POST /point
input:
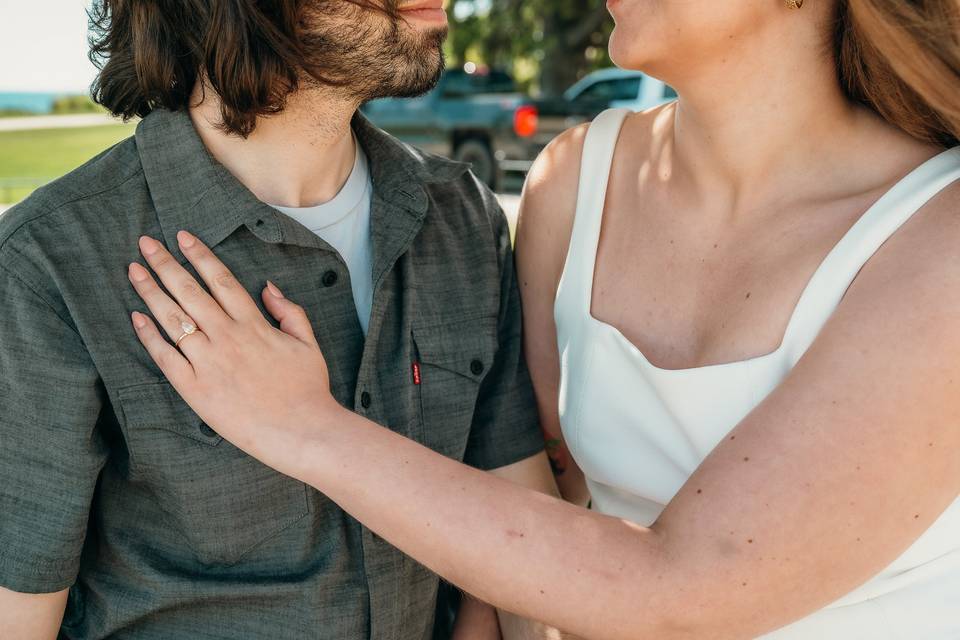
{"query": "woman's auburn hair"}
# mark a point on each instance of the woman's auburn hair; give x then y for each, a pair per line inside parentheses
(252, 53)
(901, 58)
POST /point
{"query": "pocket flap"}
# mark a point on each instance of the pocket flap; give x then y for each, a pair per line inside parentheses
(159, 406)
(465, 347)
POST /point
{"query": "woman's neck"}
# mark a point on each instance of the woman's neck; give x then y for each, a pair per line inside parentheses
(765, 118)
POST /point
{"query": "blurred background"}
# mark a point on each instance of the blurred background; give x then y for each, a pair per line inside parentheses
(519, 73)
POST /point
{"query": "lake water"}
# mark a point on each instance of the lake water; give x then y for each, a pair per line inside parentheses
(36, 102)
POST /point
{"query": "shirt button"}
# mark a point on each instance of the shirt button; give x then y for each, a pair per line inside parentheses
(330, 278)
(476, 367)
(365, 400)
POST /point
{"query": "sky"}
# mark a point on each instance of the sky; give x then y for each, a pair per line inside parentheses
(43, 46)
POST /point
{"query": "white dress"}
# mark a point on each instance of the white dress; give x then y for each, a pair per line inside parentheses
(639, 432)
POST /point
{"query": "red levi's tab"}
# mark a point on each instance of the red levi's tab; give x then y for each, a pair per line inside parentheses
(416, 373)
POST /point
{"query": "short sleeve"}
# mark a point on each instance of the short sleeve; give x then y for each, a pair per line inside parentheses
(506, 427)
(50, 452)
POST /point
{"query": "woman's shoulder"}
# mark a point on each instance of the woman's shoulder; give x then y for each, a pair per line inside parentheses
(549, 201)
(555, 175)
(918, 267)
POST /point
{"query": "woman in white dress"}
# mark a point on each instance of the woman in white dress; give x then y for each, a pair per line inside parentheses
(756, 296)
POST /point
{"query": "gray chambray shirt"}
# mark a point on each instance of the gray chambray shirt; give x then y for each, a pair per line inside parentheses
(110, 484)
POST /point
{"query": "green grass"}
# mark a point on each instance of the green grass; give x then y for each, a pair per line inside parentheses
(45, 154)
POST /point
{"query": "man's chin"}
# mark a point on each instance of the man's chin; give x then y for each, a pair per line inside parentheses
(420, 77)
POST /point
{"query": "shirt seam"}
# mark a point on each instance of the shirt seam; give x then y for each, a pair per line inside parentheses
(37, 570)
(55, 208)
(38, 295)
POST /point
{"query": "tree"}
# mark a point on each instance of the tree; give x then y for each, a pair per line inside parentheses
(551, 42)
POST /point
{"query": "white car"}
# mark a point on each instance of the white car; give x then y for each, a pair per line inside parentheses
(619, 88)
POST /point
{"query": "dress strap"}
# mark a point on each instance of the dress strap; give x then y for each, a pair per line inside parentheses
(596, 162)
(836, 273)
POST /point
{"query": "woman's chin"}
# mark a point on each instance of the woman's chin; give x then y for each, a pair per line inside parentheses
(624, 52)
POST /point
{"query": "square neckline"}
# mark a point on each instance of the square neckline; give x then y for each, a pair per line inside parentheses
(868, 213)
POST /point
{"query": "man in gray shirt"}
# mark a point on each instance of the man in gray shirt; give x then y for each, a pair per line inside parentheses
(122, 515)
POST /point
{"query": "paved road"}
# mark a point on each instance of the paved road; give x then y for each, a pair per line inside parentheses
(56, 122)
(511, 205)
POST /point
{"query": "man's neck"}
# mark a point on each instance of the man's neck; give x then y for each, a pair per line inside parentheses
(297, 158)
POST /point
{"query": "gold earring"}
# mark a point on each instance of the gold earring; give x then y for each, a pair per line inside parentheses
(794, 4)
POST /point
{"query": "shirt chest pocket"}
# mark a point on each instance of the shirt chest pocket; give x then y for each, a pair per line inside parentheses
(221, 501)
(453, 360)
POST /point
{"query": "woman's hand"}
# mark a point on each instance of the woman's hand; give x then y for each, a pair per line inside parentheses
(263, 389)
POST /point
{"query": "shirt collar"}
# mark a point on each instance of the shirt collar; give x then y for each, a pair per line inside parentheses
(191, 190)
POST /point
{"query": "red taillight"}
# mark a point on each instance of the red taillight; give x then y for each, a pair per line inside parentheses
(526, 119)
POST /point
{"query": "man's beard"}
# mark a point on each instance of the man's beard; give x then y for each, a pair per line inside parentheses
(368, 59)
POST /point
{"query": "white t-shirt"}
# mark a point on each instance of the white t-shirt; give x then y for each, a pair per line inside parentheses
(344, 224)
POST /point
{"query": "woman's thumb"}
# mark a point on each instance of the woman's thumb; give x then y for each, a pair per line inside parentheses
(291, 316)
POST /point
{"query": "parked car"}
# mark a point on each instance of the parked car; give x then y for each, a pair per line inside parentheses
(478, 116)
(616, 88)
(467, 117)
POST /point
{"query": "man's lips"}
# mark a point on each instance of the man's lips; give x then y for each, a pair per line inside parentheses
(422, 5)
(426, 10)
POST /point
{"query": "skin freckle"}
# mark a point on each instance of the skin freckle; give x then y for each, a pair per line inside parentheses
(746, 459)
(699, 490)
(750, 541)
(748, 295)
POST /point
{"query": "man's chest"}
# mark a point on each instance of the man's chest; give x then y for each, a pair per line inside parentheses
(418, 372)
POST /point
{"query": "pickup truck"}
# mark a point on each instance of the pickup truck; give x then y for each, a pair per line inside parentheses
(478, 116)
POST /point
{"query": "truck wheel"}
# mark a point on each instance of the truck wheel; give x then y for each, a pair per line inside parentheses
(478, 154)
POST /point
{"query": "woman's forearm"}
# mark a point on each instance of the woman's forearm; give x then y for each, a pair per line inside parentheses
(517, 549)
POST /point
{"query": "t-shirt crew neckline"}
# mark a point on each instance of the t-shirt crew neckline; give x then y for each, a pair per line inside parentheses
(348, 199)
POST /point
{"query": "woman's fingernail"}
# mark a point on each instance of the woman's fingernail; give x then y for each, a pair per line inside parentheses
(138, 273)
(186, 239)
(273, 290)
(148, 245)
(138, 320)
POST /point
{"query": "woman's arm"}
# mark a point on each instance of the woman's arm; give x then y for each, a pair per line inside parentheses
(31, 615)
(825, 483)
(547, 210)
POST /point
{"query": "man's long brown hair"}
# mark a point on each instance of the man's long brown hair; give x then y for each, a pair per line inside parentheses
(252, 53)
(902, 58)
